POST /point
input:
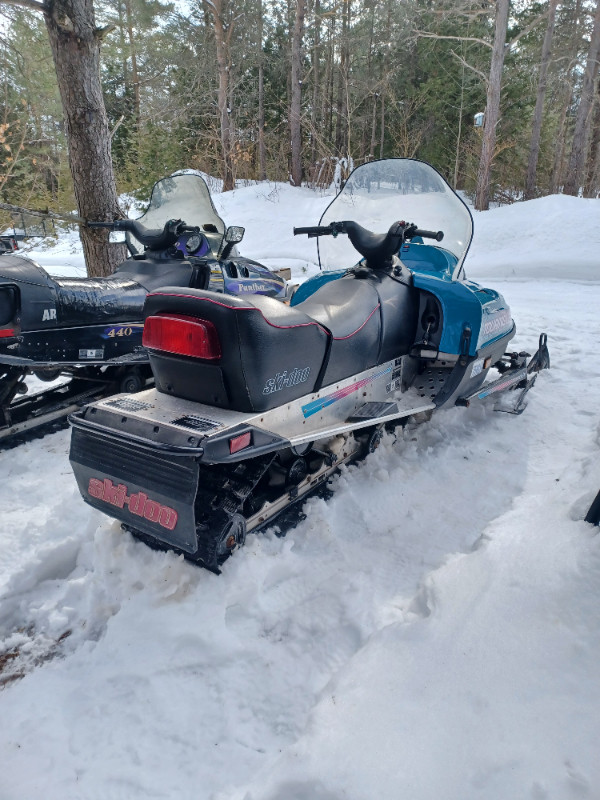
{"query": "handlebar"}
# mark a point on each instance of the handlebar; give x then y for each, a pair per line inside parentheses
(377, 248)
(437, 235)
(322, 230)
(342, 227)
(153, 239)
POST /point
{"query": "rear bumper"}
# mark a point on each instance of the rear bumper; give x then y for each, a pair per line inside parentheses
(146, 489)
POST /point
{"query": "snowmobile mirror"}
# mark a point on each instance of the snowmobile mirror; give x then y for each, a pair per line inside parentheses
(234, 234)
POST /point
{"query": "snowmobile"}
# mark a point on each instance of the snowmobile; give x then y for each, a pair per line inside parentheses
(91, 329)
(256, 403)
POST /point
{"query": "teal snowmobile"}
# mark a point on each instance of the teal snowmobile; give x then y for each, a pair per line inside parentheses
(256, 403)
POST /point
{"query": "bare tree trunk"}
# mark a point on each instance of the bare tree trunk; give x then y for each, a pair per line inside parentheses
(262, 158)
(134, 68)
(382, 125)
(342, 92)
(223, 34)
(592, 169)
(296, 95)
(373, 126)
(575, 174)
(536, 131)
(75, 43)
(492, 109)
(316, 74)
(566, 101)
(459, 133)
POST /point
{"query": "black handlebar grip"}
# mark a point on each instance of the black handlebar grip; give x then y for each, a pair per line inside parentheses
(100, 224)
(437, 235)
(316, 230)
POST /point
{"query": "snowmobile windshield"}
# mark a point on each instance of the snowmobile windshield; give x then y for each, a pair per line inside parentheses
(184, 197)
(380, 193)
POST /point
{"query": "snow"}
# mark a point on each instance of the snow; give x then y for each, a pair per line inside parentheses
(431, 631)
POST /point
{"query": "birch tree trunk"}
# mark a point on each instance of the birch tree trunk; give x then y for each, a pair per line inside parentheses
(575, 176)
(536, 130)
(492, 109)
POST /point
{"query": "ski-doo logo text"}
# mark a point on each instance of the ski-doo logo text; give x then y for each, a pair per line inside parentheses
(284, 381)
(138, 503)
(49, 313)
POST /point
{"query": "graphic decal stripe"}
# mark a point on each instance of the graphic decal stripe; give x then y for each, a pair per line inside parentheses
(318, 405)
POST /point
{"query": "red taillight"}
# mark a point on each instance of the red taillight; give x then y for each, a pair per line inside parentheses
(6, 332)
(183, 335)
(240, 442)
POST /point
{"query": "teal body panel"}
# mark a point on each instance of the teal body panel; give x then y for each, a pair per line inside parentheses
(310, 286)
(464, 303)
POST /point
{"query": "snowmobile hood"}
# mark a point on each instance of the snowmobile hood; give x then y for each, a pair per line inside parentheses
(379, 193)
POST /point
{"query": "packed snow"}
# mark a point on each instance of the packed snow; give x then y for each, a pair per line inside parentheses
(430, 632)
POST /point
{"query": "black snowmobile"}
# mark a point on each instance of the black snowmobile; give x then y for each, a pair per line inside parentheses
(91, 329)
(256, 403)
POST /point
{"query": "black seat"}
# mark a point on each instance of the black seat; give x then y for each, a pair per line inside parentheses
(270, 353)
(49, 302)
(351, 310)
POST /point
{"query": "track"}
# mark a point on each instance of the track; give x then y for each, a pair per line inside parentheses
(32, 416)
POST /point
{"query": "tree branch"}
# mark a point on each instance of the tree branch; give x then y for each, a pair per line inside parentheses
(49, 214)
(527, 29)
(466, 64)
(428, 35)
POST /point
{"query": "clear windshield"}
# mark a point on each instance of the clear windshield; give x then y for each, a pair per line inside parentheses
(183, 197)
(382, 192)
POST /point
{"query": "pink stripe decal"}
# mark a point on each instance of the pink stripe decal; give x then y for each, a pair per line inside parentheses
(341, 338)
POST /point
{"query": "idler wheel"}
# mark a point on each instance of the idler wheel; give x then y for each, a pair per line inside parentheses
(374, 440)
(131, 383)
(296, 472)
(234, 535)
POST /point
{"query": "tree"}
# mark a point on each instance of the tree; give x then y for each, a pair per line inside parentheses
(536, 130)
(75, 43)
(296, 95)
(224, 24)
(575, 174)
(492, 109)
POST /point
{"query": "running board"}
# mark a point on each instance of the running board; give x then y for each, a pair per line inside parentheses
(362, 418)
(507, 381)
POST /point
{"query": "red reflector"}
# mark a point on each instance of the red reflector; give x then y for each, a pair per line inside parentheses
(6, 333)
(183, 335)
(240, 442)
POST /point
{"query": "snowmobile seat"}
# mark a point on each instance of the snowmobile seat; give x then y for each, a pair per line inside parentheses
(270, 353)
(47, 301)
(351, 310)
(372, 319)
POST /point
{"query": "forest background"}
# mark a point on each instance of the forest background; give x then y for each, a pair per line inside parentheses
(291, 90)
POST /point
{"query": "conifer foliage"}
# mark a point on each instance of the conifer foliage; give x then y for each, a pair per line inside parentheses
(295, 90)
